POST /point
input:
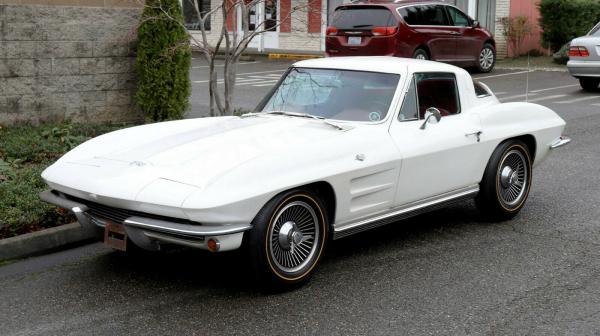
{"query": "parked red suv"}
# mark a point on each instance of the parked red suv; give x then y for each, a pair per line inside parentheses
(421, 29)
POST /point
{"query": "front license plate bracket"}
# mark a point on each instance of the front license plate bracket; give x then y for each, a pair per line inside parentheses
(115, 236)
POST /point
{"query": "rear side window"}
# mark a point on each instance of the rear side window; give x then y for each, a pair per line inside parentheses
(425, 15)
(411, 15)
(362, 18)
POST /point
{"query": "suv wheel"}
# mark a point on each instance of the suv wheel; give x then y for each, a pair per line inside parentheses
(486, 59)
(589, 84)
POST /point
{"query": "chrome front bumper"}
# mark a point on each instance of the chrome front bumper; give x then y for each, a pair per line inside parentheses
(148, 233)
(560, 141)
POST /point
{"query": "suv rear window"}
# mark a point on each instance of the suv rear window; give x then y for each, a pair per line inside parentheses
(362, 18)
(425, 15)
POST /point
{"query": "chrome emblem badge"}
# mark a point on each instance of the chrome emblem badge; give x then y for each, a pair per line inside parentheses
(137, 163)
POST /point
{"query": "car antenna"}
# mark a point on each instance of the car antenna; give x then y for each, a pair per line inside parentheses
(527, 80)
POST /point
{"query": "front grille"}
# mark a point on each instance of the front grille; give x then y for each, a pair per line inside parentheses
(100, 213)
(109, 213)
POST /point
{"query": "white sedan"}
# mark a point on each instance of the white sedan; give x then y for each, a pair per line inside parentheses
(339, 146)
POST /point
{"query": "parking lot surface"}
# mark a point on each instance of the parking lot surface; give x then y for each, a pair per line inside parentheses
(443, 273)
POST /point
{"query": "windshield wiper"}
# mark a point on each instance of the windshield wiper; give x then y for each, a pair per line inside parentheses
(362, 26)
(297, 114)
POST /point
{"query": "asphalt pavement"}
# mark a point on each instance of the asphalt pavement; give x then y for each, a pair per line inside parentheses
(443, 273)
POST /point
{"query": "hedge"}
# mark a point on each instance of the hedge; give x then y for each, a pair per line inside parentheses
(563, 20)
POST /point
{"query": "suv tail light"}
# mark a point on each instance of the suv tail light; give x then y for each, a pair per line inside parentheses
(384, 31)
(331, 31)
(579, 52)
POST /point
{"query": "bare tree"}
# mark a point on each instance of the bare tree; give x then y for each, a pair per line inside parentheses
(230, 45)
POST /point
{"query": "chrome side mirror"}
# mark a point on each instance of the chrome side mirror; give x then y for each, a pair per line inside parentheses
(432, 116)
(475, 24)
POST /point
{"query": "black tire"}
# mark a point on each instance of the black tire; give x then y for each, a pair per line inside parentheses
(486, 60)
(506, 181)
(421, 54)
(283, 261)
(589, 84)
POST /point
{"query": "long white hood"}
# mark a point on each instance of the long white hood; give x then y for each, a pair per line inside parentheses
(175, 159)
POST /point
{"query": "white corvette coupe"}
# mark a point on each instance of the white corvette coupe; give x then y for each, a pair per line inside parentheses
(339, 146)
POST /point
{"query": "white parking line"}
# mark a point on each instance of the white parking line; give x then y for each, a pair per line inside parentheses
(245, 73)
(220, 65)
(578, 99)
(517, 96)
(500, 93)
(267, 83)
(554, 88)
(506, 74)
(546, 98)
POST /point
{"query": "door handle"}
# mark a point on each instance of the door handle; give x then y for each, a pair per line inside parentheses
(477, 134)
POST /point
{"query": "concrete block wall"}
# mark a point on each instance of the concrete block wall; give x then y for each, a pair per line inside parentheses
(67, 62)
(502, 10)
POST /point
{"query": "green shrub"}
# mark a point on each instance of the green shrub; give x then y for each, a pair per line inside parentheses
(163, 61)
(21, 209)
(563, 20)
(25, 151)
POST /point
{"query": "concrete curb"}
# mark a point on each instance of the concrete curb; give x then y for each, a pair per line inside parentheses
(294, 56)
(43, 241)
(516, 68)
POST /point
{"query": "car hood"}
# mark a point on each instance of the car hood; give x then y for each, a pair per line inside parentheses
(186, 154)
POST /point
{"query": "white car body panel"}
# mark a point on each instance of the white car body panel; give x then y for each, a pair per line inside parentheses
(222, 171)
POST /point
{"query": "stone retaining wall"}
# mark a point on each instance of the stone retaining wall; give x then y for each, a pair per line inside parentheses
(60, 62)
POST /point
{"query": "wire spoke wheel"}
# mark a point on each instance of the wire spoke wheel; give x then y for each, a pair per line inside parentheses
(512, 177)
(293, 236)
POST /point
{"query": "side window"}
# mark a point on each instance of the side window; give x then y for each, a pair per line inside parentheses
(457, 17)
(411, 15)
(433, 15)
(408, 111)
(439, 90)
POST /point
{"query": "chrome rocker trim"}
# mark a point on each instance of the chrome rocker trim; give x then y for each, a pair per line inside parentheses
(145, 232)
(407, 211)
(560, 141)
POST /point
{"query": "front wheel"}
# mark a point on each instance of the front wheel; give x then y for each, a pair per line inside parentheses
(589, 84)
(487, 58)
(506, 181)
(289, 237)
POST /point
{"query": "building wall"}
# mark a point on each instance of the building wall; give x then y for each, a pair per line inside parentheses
(532, 41)
(502, 10)
(296, 38)
(67, 62)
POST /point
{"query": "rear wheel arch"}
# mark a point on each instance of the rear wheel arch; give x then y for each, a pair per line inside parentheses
(531, 143)
(424, 48)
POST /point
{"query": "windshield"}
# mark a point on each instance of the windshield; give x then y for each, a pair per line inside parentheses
(334, 94)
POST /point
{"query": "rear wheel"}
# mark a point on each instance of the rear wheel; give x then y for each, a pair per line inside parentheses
(589, 84)
(486, 59)
(506, 181)
(421, 54)
(289, 237)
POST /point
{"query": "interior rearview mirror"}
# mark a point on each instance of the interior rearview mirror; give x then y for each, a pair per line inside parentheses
(432, 116)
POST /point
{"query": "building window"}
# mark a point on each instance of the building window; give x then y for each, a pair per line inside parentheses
(192, 22)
